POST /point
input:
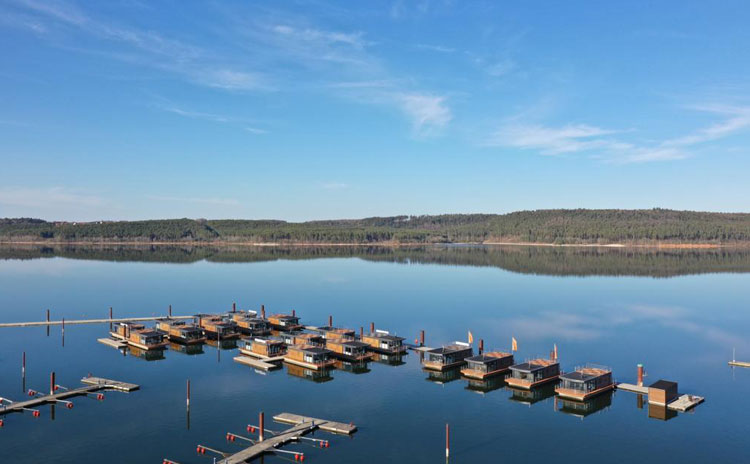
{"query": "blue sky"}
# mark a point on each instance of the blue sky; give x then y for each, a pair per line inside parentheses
(311, 109)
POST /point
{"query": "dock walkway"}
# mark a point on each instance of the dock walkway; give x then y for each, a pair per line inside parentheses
(739, 363)
(90, 321)
(93, 384)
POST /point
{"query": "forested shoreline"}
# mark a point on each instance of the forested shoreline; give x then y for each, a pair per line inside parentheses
(581, 226)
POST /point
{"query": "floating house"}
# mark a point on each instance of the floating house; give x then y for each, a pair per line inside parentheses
(308, 356)
(662, 392)
(284, 322)
(298, 338)
(262, 348)
(487, 365)
(180, 331)
(241, 314)
(216, 326)
(585, 382)
(337, 333)
(381, 341)
(254, 326)
(447, 357)
(533, 373)
(139, 336)
(348, 350)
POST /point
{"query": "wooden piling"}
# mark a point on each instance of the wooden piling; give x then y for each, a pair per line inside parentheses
(263, 311)
(188, 395)
(234, 307)
(170, 310)
(262, 425)
(640, 375)
(481, 346)
(447, 441)
(330, 321)
(421, 338)
(372, 327)
(361, 332)
(52, 383)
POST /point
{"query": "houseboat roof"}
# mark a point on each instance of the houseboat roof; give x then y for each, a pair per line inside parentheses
(310, 349)
(283, 316)
(488, 357)
(150, 333)
(582, 374)
(533, 365)
(169, 321)
(351, 343)
(385, 336)
(458, 346)
(663, 385)
(267, 341)
(132, 325)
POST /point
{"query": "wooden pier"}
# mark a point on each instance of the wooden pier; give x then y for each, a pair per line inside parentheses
(632, 388)
(119, 344)
(89, 321)
(322, 424)
(739, 364)
(93, 385)
(267, 364)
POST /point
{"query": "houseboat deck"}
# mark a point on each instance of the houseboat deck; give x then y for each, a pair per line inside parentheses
(584, 383)
(533, 373)
(383, 342)
(487, 365)
(310, 357)
(447, 357)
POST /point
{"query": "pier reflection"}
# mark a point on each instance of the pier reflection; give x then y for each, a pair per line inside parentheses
(317, 376)
(585, 408)
(532, 396)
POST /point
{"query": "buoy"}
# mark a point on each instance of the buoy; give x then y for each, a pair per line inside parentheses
(36, 413)
(302, 458)
(296, 457)
(69, 405)
(1, 423)
(198, 450)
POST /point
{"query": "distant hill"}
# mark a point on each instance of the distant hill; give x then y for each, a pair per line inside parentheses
(580, 226)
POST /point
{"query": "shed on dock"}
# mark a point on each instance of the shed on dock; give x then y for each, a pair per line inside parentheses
(585, 382)
(487, 365)
(447, 357)
(381, 341)
(662, 392)
(533, 373)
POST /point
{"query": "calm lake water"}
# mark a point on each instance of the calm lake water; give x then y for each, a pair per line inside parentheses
(679, 313)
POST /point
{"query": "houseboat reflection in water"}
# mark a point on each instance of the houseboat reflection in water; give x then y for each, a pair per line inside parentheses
(389, 359)
(656, 411)
(317, 376)
(356, 367)
(444, 376)
(586, 407)
(146, 355)
(228, 344)
(192, 349)
(486, 385)
(532, 395)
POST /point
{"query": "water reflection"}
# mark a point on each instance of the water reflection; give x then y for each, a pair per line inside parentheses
(317, 376)
(487, 385)
(146, 355)
(190, 350)
(587, 407)
(443, 377)
(533, 395)
(352, 367)
(659, 412)
(389, 359)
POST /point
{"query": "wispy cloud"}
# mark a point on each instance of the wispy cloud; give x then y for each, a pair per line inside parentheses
(427, 112)
(245, 124)
(608, 144)
(49, 197)
(435, 48)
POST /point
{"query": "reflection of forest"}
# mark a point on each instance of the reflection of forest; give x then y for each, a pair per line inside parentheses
(523, 259)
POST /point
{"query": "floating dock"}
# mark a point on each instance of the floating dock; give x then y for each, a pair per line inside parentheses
(322, 424)
(119, 344)
(632, 388)
(739, 364)
(267, 364)
(89, 321)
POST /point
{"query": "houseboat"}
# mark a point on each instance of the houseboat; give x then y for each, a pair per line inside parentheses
(336, 332)
(284, 322)
(241, 314)
(262, 348)
(215, 326)
(533, 373)
(585, 382)
(348, 350)
(487, 365)
(381, 341)
(139, 336)
(299, 338)
(253, 326)
(308, 356)
(180, 331)
(447, 357)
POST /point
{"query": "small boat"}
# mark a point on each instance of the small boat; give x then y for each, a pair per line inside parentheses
(215, 326)
(139, 336)
(299, 338)
(285, 322)
(447, 357)
(383, 342)
(180, 331)
(487, 365)
(585, 382)
(348, 350)
(533, 373)
(262, 348)
(311, 357)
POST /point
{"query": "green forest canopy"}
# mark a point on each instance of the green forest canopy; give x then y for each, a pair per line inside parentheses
(542, 226)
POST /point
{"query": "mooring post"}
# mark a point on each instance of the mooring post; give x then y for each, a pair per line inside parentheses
(640, 375)
(330, 321)
(372, 327)
(263, 311)
(170, 310)
(48, 322)
(421, 338)
(234, 307)
(188, 394)
(52, 383)
(361, 332)
(294, 313)
(481, 346)
(23, 371)
(262, 425)
(447, 441)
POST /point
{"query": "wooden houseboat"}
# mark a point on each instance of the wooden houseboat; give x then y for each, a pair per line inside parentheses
(299, 338)
(381, 341)
(139, 336)
(215, 326)
(180, 331)
(487, 365)
(447, 357)
(585, 382)
(284, 322)
(533, 373)
(241, 314)
(336, 333)
(311, 357)
(348, 350)
(262, 348)
(253, 326)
